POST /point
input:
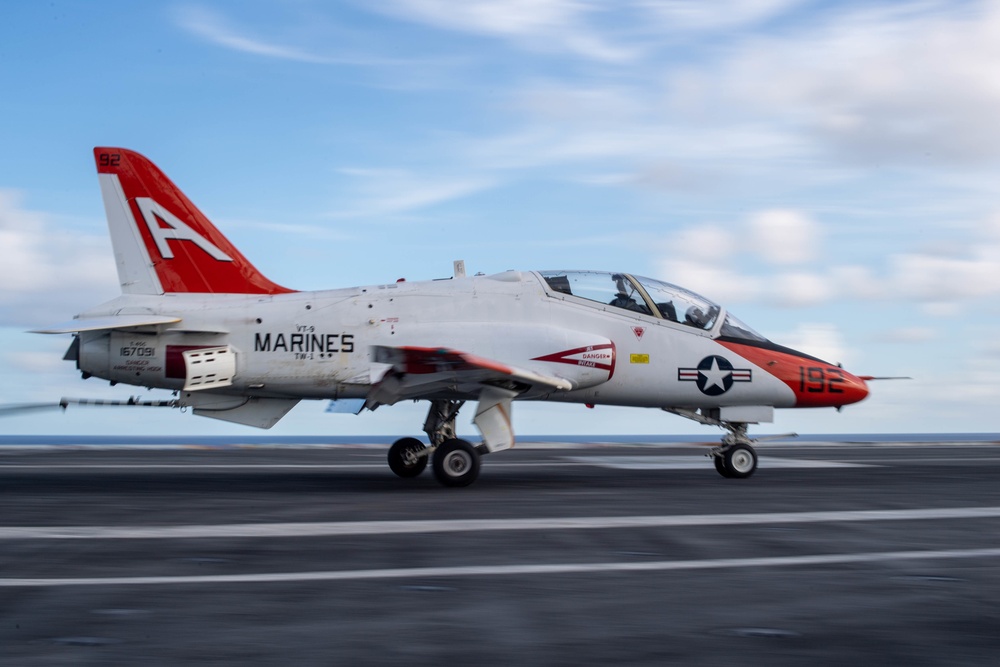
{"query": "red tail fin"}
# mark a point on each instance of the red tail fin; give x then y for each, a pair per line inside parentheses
(162, 242)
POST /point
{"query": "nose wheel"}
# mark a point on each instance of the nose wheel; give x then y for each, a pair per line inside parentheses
(736, 458)
(737, 461)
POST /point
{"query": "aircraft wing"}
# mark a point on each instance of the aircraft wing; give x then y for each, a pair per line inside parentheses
(426, 372)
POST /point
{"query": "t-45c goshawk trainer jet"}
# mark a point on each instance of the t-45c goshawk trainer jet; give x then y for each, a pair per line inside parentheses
(197, 318)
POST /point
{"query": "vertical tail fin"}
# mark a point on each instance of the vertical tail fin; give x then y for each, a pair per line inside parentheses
(162, 242)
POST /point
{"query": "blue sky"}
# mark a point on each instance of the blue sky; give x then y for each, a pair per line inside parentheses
(829, 171)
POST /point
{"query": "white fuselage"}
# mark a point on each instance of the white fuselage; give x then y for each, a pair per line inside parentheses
(318, 345)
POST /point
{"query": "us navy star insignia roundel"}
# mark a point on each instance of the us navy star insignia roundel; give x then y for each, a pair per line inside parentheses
(714, 375)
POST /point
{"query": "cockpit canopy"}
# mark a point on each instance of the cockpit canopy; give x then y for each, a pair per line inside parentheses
(647, 296)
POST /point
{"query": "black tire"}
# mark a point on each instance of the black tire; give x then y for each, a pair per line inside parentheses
(405, 459)
(740, 461)
(720, 466)
(456, 463)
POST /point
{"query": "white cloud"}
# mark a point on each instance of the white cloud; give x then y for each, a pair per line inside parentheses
(713, 280)
(908, 335)
(941, 309)
(913, 84)
(698, 258)
(47, 272)
(705, 258)
(942, 279)
(819, 340)
(800, 289)
(859, 282)
(972, 383)
(904, 82)
(784, 236)
(580, 105)
(704, 243)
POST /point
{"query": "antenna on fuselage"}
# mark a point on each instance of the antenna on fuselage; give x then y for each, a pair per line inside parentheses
(459, 268)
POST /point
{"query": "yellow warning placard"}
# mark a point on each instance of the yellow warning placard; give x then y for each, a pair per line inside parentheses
(639, 358)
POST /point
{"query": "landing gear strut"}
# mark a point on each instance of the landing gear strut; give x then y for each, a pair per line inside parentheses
(456, 461)
(735, 457)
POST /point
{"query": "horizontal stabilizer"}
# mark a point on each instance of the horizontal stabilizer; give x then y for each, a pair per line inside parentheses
(112, 322)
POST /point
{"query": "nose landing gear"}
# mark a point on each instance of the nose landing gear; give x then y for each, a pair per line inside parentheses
(735, 457)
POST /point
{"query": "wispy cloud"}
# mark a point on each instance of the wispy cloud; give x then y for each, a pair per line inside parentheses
(698, 16)
(909, 81)
(539, 25)
(941, 280)
(317, 232)
(912, 85)
(214, 28)
(217, 29)
(392, 192)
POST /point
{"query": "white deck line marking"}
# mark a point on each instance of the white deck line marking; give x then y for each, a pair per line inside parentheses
(508, 570)
(192, 466)
(700, 462)
(471, 525)
(261, 466)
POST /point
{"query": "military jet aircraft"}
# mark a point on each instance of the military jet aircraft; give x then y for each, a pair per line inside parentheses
(197, 318)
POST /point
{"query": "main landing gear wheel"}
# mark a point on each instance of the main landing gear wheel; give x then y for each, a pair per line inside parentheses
(407, 457)
(737, 461)
(456, 463)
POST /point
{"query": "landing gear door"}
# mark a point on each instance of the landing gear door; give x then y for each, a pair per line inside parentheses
(493, 418)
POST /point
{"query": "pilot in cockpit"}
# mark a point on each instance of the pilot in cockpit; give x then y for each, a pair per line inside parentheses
(624, 300)
(696, 317)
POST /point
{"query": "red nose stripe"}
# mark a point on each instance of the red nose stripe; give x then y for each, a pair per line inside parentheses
(816, 384)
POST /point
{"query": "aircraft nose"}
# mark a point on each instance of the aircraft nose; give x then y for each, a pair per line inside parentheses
(819, 384)
(815, 383)
(855, 388)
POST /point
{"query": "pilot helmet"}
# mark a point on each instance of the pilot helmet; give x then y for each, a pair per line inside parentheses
(696, 316)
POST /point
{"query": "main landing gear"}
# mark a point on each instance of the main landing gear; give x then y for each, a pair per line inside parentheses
(455, 461)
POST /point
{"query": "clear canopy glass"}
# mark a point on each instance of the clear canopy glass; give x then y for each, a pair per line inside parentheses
(680, 305)
(655, 298)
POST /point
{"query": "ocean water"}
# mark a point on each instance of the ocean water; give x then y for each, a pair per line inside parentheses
(334, 440)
